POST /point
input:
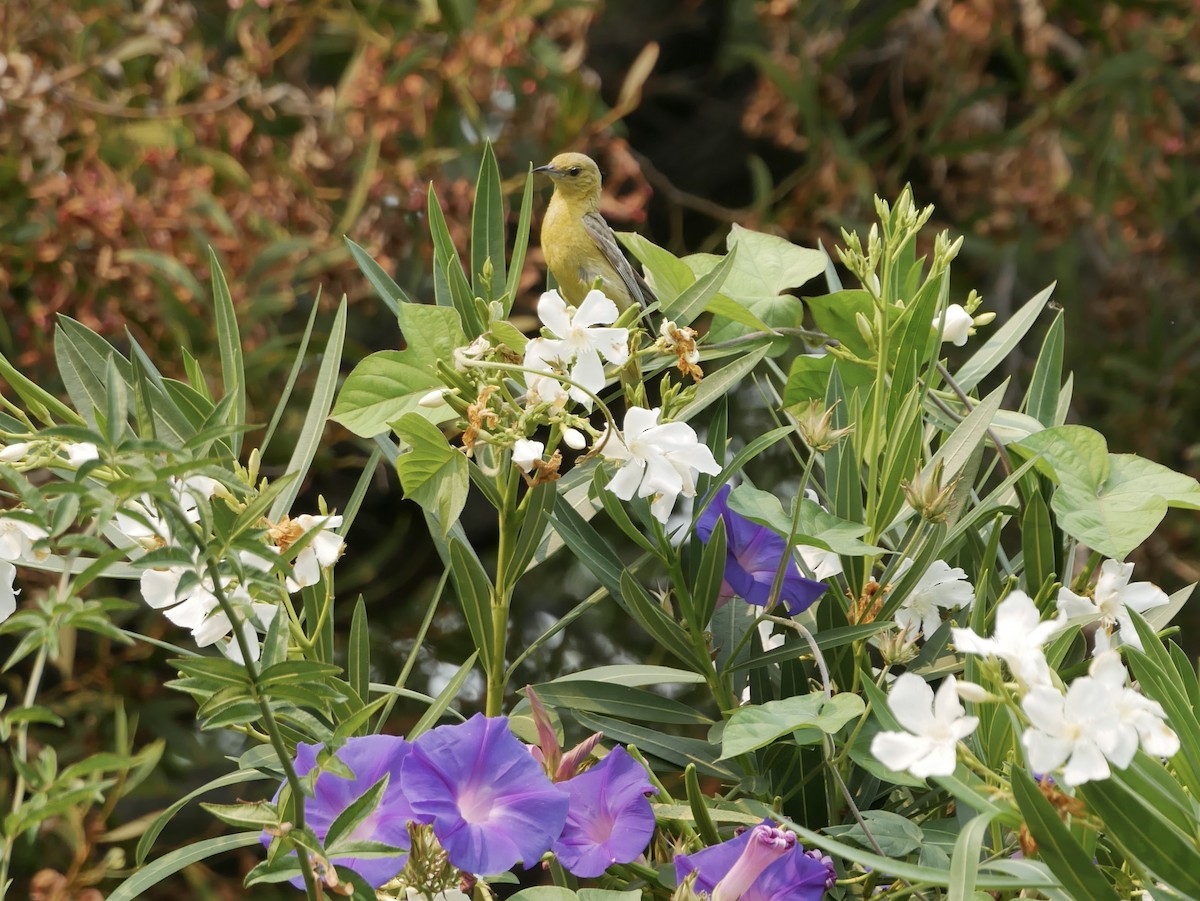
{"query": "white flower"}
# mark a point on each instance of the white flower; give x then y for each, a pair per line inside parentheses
(195, 606)
(657, 460)
(141, 523)
(939, 586)
(1113, 598)
(17, 538)
(319, 554)
(821, 563)
(473, 351)
(543, 389)
(579, 342)
(935, 726)
(574, 439)
(525, 453)
(1098, 722)
(1018, 637)
(433, 399)
(1144, 715)
(14, 453)
(958, 324)
(8, 593)
(78, 454)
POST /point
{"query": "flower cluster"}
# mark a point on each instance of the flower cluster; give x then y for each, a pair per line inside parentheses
(578, 340)
(1082, 730)
(486, 800)
(187, 592)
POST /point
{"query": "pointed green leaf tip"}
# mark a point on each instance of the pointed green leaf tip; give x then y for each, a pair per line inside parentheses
(433, 473)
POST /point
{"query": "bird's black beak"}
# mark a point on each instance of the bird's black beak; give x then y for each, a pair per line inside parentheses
(548, 169)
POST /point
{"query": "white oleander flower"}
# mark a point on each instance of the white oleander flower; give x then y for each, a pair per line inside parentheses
(525, 453)
(17, 539)
(80, 453)
(935, 724)
(958, 324)
(1096, 725)
(580, 341)
(657, 460)
(141, 522)
(940, 587)
(543, 389)
(1112, 599)
(187, 598)
(319, 554)
(821, 563)
(8, 591)
(1017, 638)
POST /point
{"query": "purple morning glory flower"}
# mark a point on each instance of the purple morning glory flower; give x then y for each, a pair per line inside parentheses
(609, 820)
(490, 803)
(751, 558)
(762, 864)
(370, 758)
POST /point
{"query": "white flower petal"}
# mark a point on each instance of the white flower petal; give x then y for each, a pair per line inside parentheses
(8, 594)
(552, 310)
(525, 453)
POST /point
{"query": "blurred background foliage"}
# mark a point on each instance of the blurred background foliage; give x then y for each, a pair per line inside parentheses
(1054, 135)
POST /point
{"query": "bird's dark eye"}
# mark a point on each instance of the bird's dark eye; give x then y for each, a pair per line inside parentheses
(574, 170)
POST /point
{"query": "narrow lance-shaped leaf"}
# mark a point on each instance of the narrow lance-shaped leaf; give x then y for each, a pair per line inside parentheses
(233, 371)
(487, 228)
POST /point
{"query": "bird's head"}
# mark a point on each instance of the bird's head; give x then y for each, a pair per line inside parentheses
(574, 174)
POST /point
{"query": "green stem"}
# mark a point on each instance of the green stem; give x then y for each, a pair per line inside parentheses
(31, 692)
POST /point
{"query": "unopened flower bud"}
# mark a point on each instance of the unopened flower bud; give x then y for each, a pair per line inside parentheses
(932, 500)
(433, 398)
(815, 424)
(574, 439)
(864, 329)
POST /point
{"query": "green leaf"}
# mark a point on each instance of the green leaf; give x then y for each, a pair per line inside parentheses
(697, 296)
(767, 265)
(715, 385)
(835, 315)
(1037, 543)
(309, 438)
(433, 473)
(487, 227)
(146, 842)
(672, 748)
(618, 700)
(1171, 855)
(1042, 400)
(635, 674)
(362, 807)
(520, 244)
(1111, 502)
(388, 291)
(897, 836)
(450, 286)
(233, 370)
(358, 654)
(1056, 845)
(998, 347)
(964, 866)
(474, 591)
(668, 275)
(169, 864)
(711, 574)
(390, 383)
(753, 727)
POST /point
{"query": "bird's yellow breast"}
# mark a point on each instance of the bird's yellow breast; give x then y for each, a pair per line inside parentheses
(573, 257)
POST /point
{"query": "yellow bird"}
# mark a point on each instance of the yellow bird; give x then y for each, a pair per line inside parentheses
(578, 244)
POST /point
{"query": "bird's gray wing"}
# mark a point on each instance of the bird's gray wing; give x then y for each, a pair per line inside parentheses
(599, 232)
